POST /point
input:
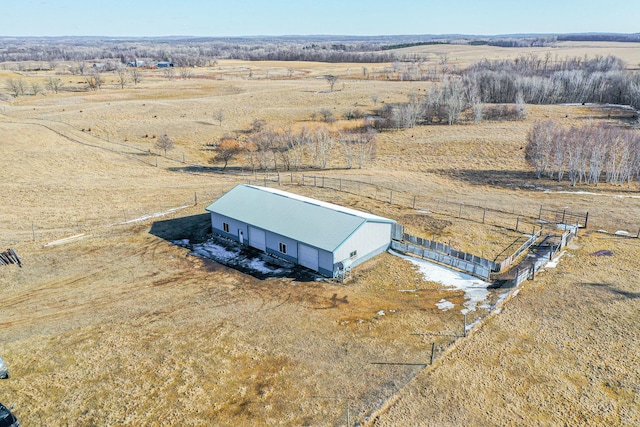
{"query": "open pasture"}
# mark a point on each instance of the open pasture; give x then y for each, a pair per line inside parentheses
(117, 326)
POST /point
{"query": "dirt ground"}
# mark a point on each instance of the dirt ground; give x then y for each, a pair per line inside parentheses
(117, 326)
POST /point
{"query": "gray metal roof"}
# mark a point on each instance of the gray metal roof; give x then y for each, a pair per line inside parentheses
(313, 222)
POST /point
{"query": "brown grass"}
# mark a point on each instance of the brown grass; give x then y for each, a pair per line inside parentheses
(119, 327)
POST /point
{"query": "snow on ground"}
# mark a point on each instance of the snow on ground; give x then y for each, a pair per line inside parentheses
(67, 239)
(236, 256)
(589, 193)
(554, 262)
(475, 290)
(213, 251)
(155, 215)
(445, 305)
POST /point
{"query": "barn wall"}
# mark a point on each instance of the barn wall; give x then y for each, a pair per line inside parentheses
(368, 240)
(273, 247)
(234, 226)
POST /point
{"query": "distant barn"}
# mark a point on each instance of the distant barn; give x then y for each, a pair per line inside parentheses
(321, 236)
(164, 64)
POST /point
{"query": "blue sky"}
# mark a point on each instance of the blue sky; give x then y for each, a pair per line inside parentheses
(305, 17)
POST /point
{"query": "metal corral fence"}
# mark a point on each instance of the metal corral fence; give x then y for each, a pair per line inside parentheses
(441, 253)
(511, 257)
(452, 260)
(547, 250)
(562, 216)
(484, 215)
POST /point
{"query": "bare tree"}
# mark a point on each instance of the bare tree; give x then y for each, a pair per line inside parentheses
(54, 84)
(122, 76)
(169, 73)
(539, 147)
(185, 73)
(165, 143)
(16, 86)
(219, 116)
(136, 75)
(324, 143)
(94, 80)
(327, 115)
(332, 79)
(375, 98)
(226, 150)
(36, 88)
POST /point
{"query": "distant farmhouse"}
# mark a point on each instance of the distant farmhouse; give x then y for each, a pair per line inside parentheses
(321, 236)
(164, 64)
(136, 63)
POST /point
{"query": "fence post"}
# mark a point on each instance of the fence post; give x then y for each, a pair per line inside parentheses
(414, 202)
(303, 180)
(460, 211)
(564, 213)
(586, 220)
(314, 181)
(484, 214)
(540, 214)
(433, 350)
(340, 184)
(195, 198)
(517, 223)
(390, 197)
(464, 320)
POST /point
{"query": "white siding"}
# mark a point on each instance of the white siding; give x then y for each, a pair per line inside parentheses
(369, 237)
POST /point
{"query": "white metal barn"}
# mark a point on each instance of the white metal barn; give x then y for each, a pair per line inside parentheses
(321, 236)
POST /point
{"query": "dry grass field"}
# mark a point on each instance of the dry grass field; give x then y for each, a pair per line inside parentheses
(117, 326)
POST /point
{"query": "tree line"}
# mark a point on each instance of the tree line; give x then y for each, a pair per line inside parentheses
(268, 148)
(584, 154)
(500, 89)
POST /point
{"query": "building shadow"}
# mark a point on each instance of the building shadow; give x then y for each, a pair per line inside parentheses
(195, 228)
(194, 233)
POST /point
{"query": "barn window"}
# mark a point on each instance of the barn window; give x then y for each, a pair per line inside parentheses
(225, 227)
(353, 254)
(283, 247)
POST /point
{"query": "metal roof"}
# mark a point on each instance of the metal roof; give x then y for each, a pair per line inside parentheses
(313, 222)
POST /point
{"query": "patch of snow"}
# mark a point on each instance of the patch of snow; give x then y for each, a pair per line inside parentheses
(554, 262)
(498, 310)
(380, 313)
(67, 239)
(213, 251)
(425, 211)
(181, 242)
(260, 266)
(591, 193)
(155, 215)
(621, 233)
(475, 290)
(567, 227)
(445, 305)
(407, 290)
(517, 291)
(473, 325)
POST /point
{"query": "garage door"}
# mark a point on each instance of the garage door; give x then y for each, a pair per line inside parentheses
(308, 257)
(257, 239)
